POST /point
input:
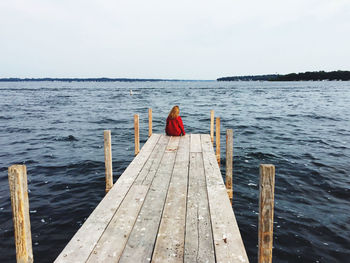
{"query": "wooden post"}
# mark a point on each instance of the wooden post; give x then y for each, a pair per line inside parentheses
(20, 212)
(217, 135)
(149, 122)
(212, 125)
(229, 162)
(266, 206)
(108, 159)
(137, 134)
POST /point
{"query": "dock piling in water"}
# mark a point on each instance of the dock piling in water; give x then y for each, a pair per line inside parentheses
(108, 159)
(266, 207)
(137, 134)
(20, 212)
(217, 135)
(229, 162)
(149, 122)
(212, 125)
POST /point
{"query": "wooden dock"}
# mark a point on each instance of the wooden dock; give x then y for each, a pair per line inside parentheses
(169, 205)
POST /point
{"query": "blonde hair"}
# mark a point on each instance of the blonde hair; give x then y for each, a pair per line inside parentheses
(174, 113)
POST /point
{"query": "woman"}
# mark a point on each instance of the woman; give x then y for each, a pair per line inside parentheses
(174, 125)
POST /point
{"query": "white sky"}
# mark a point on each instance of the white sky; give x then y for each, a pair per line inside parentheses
(198, 39)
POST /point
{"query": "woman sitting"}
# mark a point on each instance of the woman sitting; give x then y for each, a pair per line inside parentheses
(174, 125)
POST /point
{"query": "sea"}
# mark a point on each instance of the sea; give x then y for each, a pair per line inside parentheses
(303, 128)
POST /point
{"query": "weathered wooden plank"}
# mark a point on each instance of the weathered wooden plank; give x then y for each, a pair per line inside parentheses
(17, 175)
(114, 238)
(227, 239)
(212, 170)
(170, 147)
(82, 243)
(195, 143)
(198, 241)
(170, 241)
(108, 159)
(141, 241)
(111, 244)
(266, 207)
(150, 168)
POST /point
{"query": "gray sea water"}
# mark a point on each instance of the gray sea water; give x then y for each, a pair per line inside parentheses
(303, 128)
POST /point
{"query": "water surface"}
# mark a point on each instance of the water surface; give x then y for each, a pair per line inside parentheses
(56, 129)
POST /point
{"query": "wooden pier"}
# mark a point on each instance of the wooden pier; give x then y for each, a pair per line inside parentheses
(170, 205)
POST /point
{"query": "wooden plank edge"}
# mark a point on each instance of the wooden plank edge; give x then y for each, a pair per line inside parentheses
(102, 214)
(228, 242)
(127, 255)
(168, 249)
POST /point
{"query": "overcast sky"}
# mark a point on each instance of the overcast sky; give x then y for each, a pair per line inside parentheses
(196, 39)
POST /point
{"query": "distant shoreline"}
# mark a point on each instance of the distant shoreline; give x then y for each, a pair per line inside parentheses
(305, 76)
(91, 79)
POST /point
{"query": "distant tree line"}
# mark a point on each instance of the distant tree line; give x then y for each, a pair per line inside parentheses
(315, 75)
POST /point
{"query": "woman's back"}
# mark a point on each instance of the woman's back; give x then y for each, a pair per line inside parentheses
(174, 125)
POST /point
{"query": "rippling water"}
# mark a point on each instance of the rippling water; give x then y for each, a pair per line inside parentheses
(56, 129)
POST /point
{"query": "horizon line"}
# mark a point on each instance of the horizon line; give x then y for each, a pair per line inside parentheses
(14, 79)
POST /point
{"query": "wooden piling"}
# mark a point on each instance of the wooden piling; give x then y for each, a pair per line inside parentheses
(229, 162)
(212, 125)
(266, 207)
(149, 122)
(108, 159)
(217, 135)
(17, 175)
(137, 134)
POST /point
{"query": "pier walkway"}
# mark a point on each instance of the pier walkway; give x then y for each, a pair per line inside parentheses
(169, 205)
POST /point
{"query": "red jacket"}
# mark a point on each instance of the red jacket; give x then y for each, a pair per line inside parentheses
(174, 127)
